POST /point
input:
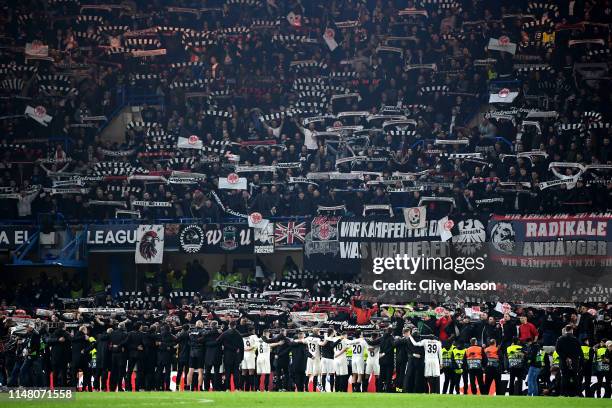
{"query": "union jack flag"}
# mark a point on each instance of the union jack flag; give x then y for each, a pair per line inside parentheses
(289, 233)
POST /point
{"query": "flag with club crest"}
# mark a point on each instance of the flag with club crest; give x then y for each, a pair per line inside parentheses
(149, 244)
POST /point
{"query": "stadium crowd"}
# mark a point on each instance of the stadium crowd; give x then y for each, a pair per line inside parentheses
(500, 107)
(155, 110)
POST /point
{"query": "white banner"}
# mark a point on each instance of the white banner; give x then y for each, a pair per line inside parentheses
(149, 244)
(102, 310)
(148, 53)
(66, 190)
(151, 204)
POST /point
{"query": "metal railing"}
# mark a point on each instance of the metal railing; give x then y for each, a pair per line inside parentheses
(124, 221)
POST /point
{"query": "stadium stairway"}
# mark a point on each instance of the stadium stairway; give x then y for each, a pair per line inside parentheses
(114, 131)
(54, 243)
(128, 110)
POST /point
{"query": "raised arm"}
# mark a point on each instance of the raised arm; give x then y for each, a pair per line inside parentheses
(417, 343)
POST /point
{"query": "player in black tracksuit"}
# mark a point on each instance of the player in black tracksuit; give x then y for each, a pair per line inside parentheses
(414, 379)
(299, 357)
(103, 360)
(135, 354)
(401, 360)
(233, 351)
(80, 358)
(183, 355)
(213, 357)
(118, 340)
(60, 348)
(386, 360)
(165, 342)
(149, 363)
(196, 356)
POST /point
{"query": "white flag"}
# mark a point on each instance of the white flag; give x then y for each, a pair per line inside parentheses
(150, 244)
(444, 227)
(36, 49)
(233, 182)
(257, 221)
(329, 38)
(191, 142)
(39, 114)
(415, 217)
(294, 19)
(503, 96)
(504, 308)
(502, 44)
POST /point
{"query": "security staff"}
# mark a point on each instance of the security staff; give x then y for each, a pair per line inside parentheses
(555, 360)
(603, 358)
(536, 361)
(492, 368)
(474, 362)
(93, 361)
(459, 370)
(447, 366)
(586, 371)
(175, 277)
(516, 366)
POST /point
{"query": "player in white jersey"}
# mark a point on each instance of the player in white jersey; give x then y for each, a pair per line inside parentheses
(248, 364)
(359, 347)
(313, 364)
(372, 364)
(263, 358)
(341, 363)
(433, 360)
